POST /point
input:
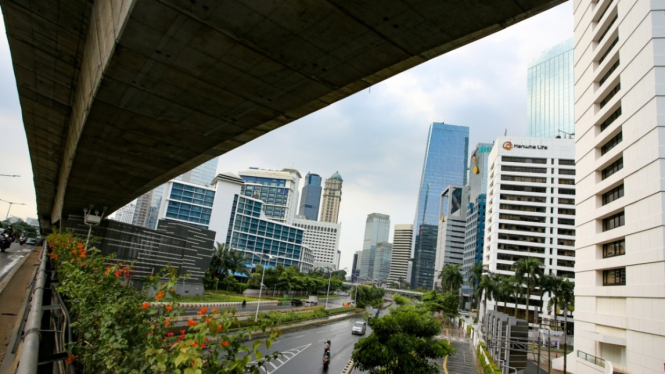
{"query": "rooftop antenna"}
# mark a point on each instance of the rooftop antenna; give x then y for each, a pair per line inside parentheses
(570, 134)
(505, 132)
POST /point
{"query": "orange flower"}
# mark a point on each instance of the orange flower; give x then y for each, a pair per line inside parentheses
(168, 308)
(83, 253)
(215, 310)
(74, 252)
(225, 343)
(172, 290)
(206, 339)
(219, 328)
(82, 264)
(70, 359)
(160, 295)
(167, 322)
(202, 311)
(80, 245)
(203, 345)
(208, 320)
(191, 322)
(107, 271)
(194, 344)
(145, 305)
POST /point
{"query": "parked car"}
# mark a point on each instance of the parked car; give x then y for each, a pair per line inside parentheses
(374, 313)
(359, 327)
(310, 303)
(313, 300)
(31, 241)
(296, 302)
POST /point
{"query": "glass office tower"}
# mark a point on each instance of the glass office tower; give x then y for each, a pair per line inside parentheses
(550, 98)
(444, 164)
(310, 198)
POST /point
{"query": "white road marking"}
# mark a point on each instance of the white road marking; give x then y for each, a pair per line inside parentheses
(7, 268)
(299, 336)
(294, 352)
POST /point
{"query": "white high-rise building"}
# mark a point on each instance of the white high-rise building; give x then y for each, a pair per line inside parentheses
(126, 213)
(452, 229)
(277, 189)
(323, 239)
(399, 262)
(620, 250)
(530, 209)
(332, 198)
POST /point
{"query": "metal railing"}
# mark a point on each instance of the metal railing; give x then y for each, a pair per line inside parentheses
(591, 358)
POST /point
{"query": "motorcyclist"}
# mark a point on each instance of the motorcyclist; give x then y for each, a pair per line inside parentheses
(326, 346)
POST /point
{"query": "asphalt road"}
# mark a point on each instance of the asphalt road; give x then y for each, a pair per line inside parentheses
(11, 258)
(302, 350)
(334, 302)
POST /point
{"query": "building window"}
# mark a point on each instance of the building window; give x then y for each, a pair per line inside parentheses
(614, 221)
(613, 194)
(524, 160)
(607, 29)
(613, 168)
(566, 191)
(614, 277)
(570, 212)
(607, 52)
(566, 162)
(610, 119)
(611, 143)
(567, 171)
(517, 178)
(522, 169)
(617, 248)
(609, 72)
(566, 181)
(610, 95)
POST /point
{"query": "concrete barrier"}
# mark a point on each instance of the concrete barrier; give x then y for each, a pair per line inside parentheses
(216, 305)
(348, 368)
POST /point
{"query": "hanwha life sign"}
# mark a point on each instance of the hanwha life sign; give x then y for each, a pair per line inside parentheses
(508, 146)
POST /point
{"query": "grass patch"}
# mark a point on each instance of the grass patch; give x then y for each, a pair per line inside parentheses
(212, 297)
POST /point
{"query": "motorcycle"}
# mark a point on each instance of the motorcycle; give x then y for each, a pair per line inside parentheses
(326, 354)
(5, 242)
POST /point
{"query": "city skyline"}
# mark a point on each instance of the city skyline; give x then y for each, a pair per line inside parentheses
(394, 115)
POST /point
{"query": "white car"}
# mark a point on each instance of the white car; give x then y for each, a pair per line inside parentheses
(359, 327)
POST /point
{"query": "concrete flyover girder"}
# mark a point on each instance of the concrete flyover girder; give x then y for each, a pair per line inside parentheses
(119, 96)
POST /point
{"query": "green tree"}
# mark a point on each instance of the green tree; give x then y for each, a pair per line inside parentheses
(451, 278)
(367, 295)
(546, 285)
(474, 275)
(486, 288)
(528, 270)
(444, 303)
(505, 288)
(564, 296)
(401, 342)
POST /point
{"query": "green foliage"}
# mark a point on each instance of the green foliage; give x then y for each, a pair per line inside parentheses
(490, 368)
(468, 330)
(368, 296)
(279, 318)
(116, 332)
(445, 303)
(451, 278)
(21, 227)
(401, 300)
(401, 342)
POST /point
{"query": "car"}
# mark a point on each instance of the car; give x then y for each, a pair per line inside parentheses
(359, 327)
(296, 302)
(310, 303)
(31, 241)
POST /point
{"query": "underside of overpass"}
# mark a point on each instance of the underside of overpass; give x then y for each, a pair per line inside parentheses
(119, 96)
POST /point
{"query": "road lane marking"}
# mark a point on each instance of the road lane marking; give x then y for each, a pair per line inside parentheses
(294, 352)
(299, 336)
(9, 266)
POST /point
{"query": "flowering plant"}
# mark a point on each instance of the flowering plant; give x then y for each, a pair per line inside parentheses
(116, 331)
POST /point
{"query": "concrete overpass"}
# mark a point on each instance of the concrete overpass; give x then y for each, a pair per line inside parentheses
(119, 96)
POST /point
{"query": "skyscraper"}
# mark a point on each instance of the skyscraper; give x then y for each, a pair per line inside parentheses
(382, 258)
(399, 262)
(148, 205)
(355, 269)
(323, 239)
(310, 198)
(126, 213)
(620, 251)
(474, 237)
(377, 230)
(452, 228)
(530, 211)
(444, 164)
(550, 98)
(278, 189)
(332, 198)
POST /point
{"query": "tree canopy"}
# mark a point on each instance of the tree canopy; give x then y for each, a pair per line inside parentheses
(401, 342)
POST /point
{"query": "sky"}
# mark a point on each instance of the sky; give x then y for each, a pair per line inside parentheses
(375, 139)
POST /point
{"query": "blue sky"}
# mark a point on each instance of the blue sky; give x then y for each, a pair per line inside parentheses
(375, 138)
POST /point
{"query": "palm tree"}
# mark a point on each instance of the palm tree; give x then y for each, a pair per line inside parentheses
(486, 288)
(546, 285)
(473, 276)
(505, 288)
(451, 278)
(528, 270)
(564, 296)
(217, 263)
(236, 262)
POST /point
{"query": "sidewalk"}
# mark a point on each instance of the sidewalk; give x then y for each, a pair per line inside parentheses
(13, 296)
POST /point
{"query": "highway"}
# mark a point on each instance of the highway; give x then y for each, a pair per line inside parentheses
(302, 349)
(11, 257)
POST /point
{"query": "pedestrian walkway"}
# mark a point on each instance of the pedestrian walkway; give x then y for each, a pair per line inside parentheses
(13, 295)
(464, 361)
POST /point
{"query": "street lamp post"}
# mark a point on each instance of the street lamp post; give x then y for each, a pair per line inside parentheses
(256, 317)
(329, 279)
(91, 218)
(10, 206)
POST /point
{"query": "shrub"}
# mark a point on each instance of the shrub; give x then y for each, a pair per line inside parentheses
(490, 368)
(116, 331)
(468, 330)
